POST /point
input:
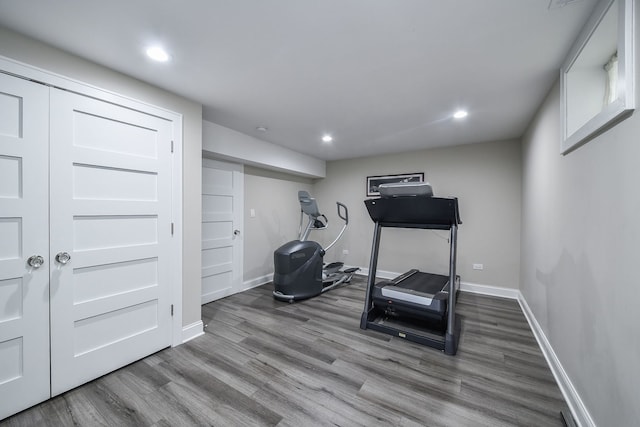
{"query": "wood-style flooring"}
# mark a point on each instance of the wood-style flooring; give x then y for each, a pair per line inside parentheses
(264, 362)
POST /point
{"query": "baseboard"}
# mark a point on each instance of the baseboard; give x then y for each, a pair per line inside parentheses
(494, 291)
(249, 284)
(192, 331)
(382, 274)
(571, 396)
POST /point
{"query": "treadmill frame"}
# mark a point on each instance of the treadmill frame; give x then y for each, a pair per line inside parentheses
(371, 316)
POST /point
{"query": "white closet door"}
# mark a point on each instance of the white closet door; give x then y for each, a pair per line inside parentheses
(24, 227)
(111, 213)
(222, 219)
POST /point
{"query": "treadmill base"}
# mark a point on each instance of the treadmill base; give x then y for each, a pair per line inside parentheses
(421, 334)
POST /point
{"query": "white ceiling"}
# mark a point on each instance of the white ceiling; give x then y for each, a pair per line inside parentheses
(379, 75)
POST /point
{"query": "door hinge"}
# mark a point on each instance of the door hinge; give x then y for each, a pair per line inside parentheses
(172, 146)
(172, 309)
(172, 229)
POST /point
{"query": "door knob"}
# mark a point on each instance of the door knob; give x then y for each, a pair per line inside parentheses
(236, 232)
(35, 261)
(63, 257)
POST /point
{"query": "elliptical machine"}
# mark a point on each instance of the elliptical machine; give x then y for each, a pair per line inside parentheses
(299, 272)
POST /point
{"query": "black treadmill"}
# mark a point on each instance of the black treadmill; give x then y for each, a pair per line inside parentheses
(416, 306)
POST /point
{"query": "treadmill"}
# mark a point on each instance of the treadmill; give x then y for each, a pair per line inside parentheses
(416, 306)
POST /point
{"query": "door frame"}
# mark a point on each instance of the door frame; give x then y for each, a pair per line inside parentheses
(22, 70)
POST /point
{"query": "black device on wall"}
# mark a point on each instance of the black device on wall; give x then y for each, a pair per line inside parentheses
(416, 306)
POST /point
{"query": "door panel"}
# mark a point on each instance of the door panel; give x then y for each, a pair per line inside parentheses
(111, 212)
(24, 290)
(222, 210)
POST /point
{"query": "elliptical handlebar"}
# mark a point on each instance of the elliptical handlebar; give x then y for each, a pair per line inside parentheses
(344, 217)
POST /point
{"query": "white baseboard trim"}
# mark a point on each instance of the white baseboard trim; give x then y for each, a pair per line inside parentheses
(494, 291)
(192, 331)
(382, 274)
(252, 283)
(578, 409)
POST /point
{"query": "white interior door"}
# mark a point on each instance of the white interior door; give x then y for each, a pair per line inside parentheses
(111, 213)
(222, 221)
(24, 228)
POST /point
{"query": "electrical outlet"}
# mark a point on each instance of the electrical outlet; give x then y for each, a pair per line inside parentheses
(252, 213)
(345, 252)
(478, 267)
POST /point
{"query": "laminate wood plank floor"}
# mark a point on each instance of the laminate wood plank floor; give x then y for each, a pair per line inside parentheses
(267, 363)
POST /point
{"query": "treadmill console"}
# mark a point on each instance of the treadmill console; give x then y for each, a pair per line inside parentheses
(422, 189)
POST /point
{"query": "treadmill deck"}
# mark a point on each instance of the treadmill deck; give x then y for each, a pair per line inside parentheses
(419, 288)
(414, 293)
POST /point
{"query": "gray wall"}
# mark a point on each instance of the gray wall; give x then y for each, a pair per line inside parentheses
(486, 177)
(580, 237)
(28, 51)
(274, 197)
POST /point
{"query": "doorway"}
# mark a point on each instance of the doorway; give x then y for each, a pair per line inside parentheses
(222, 225)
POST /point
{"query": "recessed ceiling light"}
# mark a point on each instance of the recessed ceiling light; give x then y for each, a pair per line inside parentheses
(460, 114)
(262, 128)
(327, 138)
(157, 54)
